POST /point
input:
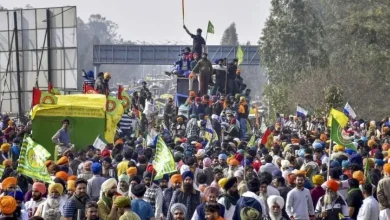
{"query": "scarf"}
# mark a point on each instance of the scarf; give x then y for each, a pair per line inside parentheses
(107, 200)
(353, 190)
(230, 200)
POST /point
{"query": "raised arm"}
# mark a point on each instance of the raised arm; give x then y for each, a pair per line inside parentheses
(188, 32)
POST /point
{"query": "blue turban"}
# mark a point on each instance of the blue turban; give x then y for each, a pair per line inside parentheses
(345, 164)
(18, 195)
(222, 157)
(379, 162)
(96, 168)
(334, 164)
(317, 145)
(187, 174)
(301, 153)
(245, 162)
(276, 173)
(165, 177)
(356, 158)
(350, 151)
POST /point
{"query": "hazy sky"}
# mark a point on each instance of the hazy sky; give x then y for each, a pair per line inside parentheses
(160, 21)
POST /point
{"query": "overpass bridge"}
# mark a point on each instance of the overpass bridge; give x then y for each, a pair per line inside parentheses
(164, 54)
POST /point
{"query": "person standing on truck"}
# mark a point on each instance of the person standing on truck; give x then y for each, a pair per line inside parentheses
(198, 40)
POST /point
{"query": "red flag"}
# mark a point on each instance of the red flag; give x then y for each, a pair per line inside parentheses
(264, 139)
(36, 96)
(120, 90)
(89, 89)
(50, 88)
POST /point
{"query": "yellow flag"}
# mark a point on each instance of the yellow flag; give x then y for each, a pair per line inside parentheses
(240, 55)
(340, 117)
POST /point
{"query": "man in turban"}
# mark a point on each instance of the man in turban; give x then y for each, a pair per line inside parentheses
(85, 171)
(317, 192)
(178, 211)
(275, 205)
(187, 195)
(249, 199)
(95, 183)
(7, 207)
(38, 190)
(9, 184)
(124, 184)
(167, 194)
(105, 203)
(332, 205)
(210, 194)
(383, 193)
(51, 208)
(123, 203)
(153, 194)
(230, 197)
(70, 187)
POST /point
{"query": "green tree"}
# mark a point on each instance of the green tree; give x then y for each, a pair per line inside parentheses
(230, 36)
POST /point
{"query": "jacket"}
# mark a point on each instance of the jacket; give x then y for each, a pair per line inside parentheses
(200, 109)
(180, 64)
(383, 193)
(167, 196)
(203, 66)
(248, 199)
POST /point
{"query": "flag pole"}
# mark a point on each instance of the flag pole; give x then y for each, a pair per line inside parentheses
(330, 153)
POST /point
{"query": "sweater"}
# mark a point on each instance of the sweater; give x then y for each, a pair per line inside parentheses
(299, 204)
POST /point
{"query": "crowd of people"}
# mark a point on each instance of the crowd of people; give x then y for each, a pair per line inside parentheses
(290, 171)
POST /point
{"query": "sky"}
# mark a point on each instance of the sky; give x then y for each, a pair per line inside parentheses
(160, 21)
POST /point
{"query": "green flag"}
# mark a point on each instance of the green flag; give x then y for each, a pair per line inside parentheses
(240, 55)
(32, 160)
(163, 162)
(210, 28)
(252, 141)
(336, 135)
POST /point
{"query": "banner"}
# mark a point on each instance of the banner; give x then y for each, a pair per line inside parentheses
(163, 162)
(68, 111)
(240, 55)
(336, 135)
(42, 97)
(122, 95)
(32, 161)
(252, 141)
(114, 112)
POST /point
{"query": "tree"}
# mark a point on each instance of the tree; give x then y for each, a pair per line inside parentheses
(340, 45)
(230, 36)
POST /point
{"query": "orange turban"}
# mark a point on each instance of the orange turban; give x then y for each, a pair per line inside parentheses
(291, 178)
(302, 172)
(5, 147)
(7, 205)
(48, 163)
(71, 185)
(63, 161)
(73, 177)
(9, 181)
(119, 141)
(323, 137)
(7, 163)
(176, 179)
(62, 175)
(371, 143)
(132, 171)
(385, 147)
(359, 175)
(386, 168)
(332, 185)
(233, 161)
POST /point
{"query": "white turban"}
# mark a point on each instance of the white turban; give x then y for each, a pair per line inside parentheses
(184, 168)
(285, 164)
(109, 184)
(275, 199)
(214, 116)
(179, 206)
